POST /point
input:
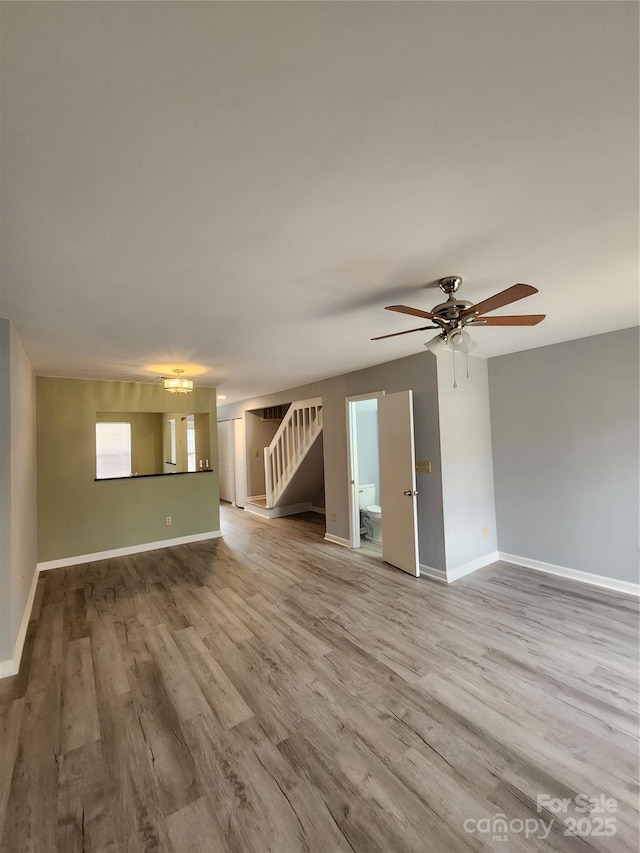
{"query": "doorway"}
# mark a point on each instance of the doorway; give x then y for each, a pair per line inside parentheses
(231, 462)
(365, 508)
(381, 425)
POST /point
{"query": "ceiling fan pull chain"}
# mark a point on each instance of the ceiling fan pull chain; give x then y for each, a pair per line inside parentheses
(466, 358)
(453, 356)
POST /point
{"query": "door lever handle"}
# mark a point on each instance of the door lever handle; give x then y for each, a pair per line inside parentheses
(409, 493)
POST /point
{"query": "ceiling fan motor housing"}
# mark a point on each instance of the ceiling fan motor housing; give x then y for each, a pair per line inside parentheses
(451, 309)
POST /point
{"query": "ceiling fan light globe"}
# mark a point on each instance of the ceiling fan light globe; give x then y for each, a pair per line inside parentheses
(437, 344)
(460, 341)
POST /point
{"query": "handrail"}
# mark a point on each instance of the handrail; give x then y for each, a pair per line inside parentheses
(290, 445)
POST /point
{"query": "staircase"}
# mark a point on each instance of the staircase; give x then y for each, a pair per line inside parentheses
(293, 462)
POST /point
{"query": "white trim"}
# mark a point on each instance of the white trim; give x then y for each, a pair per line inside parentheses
(372, 395)
(337, 540)
(435, 574)
(472, 566)
(123, 552)
(12, 666)
(352, 456)
(319, 509)
(8, 668)
(277, 511)
(572, 574)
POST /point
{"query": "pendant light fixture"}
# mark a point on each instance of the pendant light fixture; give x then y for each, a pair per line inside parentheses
(178, 384)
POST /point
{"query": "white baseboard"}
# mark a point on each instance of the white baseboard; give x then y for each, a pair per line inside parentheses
(319, 509)
(277, 511)
(124, 552)
(472, 566)
(12, 666)
(435, 574)
(337, 540)
(571, 574)
(451, 575)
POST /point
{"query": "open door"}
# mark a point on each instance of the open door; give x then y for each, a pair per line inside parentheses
(398, 482)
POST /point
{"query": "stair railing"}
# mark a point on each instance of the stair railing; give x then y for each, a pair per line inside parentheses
(290, 445)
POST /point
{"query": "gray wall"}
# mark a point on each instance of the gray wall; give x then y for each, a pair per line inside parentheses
(417, 372)
(467, 464)
(17, 486)
(565, 447)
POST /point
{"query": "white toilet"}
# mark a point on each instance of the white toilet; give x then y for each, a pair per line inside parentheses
(370, 512)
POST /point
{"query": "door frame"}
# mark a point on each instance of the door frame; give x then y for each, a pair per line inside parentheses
(239, 462)
(229, 461)
(354, 509)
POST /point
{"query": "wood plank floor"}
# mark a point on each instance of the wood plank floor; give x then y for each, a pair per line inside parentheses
(273, 692)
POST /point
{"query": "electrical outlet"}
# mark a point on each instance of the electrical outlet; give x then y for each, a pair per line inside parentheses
(256, 453)
(485, 531)
(332, 516)
(167, 520)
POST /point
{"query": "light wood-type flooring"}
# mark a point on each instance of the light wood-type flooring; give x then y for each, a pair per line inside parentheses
(270, 691)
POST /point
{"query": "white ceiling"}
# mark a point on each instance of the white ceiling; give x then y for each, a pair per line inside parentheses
(242, 187)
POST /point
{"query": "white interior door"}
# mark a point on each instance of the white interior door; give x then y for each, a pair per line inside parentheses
(398, 482)
(225, 461)
(240, 462)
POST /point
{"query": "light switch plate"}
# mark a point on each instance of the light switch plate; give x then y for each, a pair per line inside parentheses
(423, 467)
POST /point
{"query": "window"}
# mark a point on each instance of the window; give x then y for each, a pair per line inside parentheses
(113, 450)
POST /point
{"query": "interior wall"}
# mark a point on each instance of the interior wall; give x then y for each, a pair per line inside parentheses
(181, 442)
(226, 460)
(76, 514)
(203, 441)
(565, 447)
(367, 442)
(17, 489)
(417, 372)
(6, 579)
(467, 462)
(318, 500)
(258, 436)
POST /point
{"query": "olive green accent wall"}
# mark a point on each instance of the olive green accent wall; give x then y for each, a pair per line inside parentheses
(76, 514)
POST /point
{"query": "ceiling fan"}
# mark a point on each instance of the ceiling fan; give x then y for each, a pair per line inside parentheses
(451, 317)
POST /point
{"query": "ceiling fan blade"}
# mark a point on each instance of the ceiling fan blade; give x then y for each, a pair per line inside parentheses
(518, 320)
(499, 300)
(416, 312)
(408, 332)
